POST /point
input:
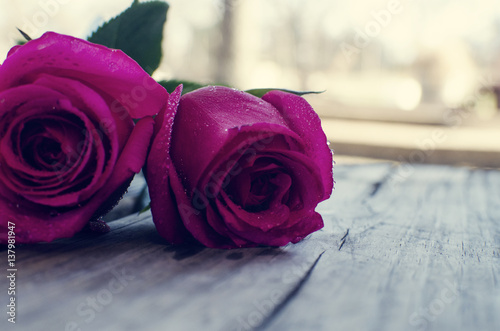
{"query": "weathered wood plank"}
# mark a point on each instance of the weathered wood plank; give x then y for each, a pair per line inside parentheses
(403, 248)
(183, 288)
(426, 258)
(130, 279)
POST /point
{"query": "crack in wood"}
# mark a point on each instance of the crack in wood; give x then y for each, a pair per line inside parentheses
(345, 235)
(341, 244)
(343, 239)
(378, 185)
(427, 258)
(293, 293)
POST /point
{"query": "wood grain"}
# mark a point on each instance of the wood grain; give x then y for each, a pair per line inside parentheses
(422, 253)
(404, 248)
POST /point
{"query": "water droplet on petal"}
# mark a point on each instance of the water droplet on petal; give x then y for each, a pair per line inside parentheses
(113, 67)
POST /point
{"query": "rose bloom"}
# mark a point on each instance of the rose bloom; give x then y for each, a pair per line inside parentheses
(236, 170)
(68, 143)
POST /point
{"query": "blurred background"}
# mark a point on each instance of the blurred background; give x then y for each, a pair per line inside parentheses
(404, 80)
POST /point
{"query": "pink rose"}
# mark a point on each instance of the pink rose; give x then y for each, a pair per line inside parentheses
(68, 143)
(236, 170)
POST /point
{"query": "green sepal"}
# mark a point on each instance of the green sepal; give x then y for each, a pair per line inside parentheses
(188, 86)
(259, 92)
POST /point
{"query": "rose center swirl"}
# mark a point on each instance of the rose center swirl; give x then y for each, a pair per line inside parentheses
(258, 185)
(52, 144)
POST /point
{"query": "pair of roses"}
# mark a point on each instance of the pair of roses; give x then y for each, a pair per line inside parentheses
(223, 167)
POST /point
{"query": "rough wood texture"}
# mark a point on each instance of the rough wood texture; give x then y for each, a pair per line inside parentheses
(404, 248)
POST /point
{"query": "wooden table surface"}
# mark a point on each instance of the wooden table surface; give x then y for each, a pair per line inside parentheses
(406, 247)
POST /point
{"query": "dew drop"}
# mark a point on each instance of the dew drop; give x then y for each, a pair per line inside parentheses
(53, 213)
(113, 67)
(76, 46)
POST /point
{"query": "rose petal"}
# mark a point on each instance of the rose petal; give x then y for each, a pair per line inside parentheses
(194, 218)
(116, 129)
(35, 224)
(103, 69)
(171, 208)
(134, 154)
(38, 109)
(243, 143)
(301, 118)
(306, 181)
(264, 220)
(208, 114)
(275, 236)
(95, 108)
(241, 188)
(216, 222)
(158, 167)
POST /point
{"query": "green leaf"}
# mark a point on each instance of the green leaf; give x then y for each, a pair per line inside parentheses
(138, 31)
(188, 86)
(259, 92)
(24, 34)
(145, 209)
